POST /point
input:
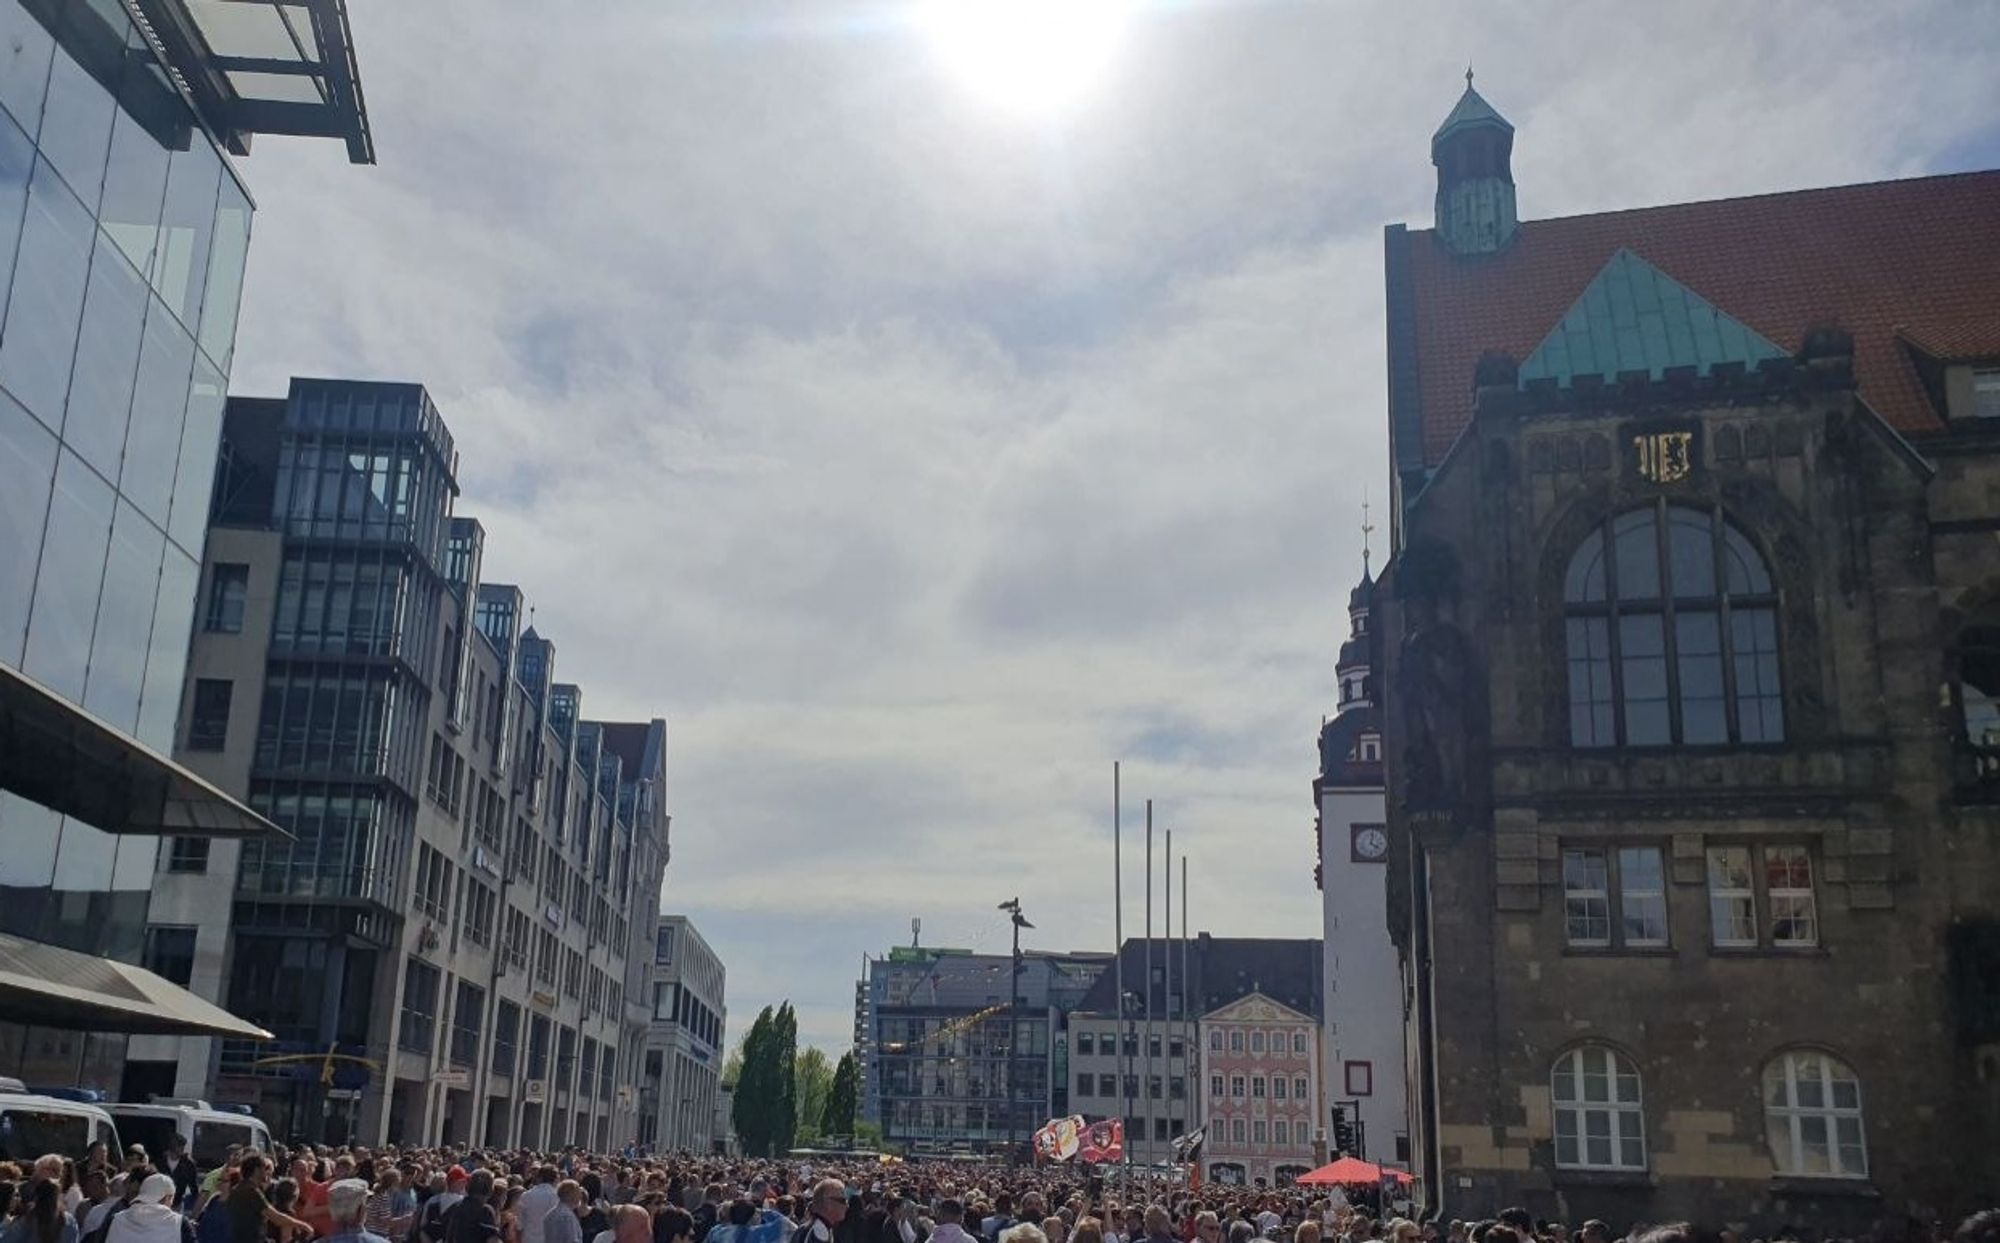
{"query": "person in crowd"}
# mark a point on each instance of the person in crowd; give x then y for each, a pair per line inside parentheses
(177, 1165)
(1000, 1221)
(565, 1224)
(537, 1202)
(1089, 1230)
(472, 1219)
(825, 1211)
(41, 1218)
(284, 1196)
(251, 1213)
(672, 1224)
(347, 1208)
(629, 1224)
(151, 1217)
(510, 1214)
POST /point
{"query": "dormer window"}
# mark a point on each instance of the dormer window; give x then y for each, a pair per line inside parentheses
(1986, 393)
(1371, 748)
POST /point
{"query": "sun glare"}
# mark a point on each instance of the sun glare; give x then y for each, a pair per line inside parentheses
(1030, 56)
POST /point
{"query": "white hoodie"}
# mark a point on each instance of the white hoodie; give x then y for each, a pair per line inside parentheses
(145, 1223)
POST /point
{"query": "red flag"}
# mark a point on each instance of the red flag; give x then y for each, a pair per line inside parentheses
(1103, 1141)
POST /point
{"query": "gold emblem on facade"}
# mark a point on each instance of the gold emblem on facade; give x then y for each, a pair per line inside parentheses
(1665, 457)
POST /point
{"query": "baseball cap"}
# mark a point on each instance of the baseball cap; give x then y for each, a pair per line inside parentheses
(156, 1188)
(456, 1174)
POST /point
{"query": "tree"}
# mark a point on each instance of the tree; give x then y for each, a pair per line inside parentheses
(815, 1079)
(732, 1066)
(842, 1097)
(755, 1107)
(784, 1064)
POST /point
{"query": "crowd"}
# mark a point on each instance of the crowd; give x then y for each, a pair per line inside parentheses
(436, 1196)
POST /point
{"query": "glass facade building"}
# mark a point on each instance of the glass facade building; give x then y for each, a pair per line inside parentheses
(124, 231)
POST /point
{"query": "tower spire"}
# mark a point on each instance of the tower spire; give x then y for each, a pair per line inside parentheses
(1473, 152)
(1367, 529)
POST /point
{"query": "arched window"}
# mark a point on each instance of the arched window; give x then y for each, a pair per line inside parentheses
(1671, 626)
(1812, 1116)
(1599, 1122)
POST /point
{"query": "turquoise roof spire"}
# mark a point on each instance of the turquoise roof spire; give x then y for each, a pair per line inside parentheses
(1634, 317)
(1471, 111)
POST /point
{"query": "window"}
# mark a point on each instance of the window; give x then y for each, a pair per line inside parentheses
(1176, 1047)
(1086, 1043)
(1107, 1086)
(1278, 1085)
(663, 950)
(1256, 1042)
(1215, 1085)
(208, 718)
(1986, 393)
(1154, 1088)
(1599, 1124)
(1236, 1041)
(227, 585)
(1238, 1131)
(1237, 1086)
(170, 953)
(1257, 1087)
(477, 917)
(1152, 1046)
(1299, 1088)
(1257, 1131)
(1177, 1088)
(1160, 1131)
(466, 1017)
(1812, 1117)
(1281, 1132)
(506, 1029)
(1736, 874)
(1360, 1078)
(187, 854)
(1215, 1040)
(432, 897)
(419, 1014)
(1671, 630)
(1628, 882)
(1083, 1085)
(1298, 1044)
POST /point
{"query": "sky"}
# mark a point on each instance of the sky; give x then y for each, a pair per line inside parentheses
(917, 451)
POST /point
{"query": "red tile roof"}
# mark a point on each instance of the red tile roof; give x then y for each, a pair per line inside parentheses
(1916, 259)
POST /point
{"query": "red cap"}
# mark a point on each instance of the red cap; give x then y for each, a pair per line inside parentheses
(456, 1174)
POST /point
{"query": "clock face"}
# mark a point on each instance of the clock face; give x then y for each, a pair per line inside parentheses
(1371, 843)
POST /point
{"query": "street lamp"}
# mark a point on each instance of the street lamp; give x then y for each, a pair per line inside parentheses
(1013, 908)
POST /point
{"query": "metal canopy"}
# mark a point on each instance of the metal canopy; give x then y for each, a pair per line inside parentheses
(56, 754)
(266, 67)
(49, 986)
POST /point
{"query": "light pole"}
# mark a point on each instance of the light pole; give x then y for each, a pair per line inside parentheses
(1013, 908)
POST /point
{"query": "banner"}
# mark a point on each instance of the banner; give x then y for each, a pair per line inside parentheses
(1188, 1147)
(1059, 1138)
(1103, 1141)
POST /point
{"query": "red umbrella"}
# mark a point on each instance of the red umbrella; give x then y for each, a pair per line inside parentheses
(1345, 1170)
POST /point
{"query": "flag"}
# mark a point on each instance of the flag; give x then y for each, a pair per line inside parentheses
(1103, 1141)
(1188, 1147)
(1059, 1138)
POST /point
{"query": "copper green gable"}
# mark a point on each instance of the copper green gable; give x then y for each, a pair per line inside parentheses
(1634, 317)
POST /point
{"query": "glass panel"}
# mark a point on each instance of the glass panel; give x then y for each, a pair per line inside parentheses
(1584, 583)
(1698, 651)
(1691, 554)
(226, 259)
(1846, 1094)
(135, 182)
(1643, 662)
(166, 657)
(124, 620)
(159, 402)
(76, 127)
(1746, 575)
(28, 463)
(1591, 722)
(25, 50)
(1635, 538)
(1813, 1144)
(17, 163)
(47, 297)
(71, 572)
(201, 436)
(1760, 708)
(1778, 1134)
(1596, 1086)
(1564, 1083)
(107, 357)
(186, 224)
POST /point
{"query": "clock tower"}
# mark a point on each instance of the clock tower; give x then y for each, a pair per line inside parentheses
(1363, 1040)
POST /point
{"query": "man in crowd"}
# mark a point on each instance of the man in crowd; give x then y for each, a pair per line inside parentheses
(346, 1204)
(537, 1202)
(824, 1212)
(250, 1209)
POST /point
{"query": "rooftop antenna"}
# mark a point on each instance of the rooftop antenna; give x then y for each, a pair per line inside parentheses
(916, 931)
(1367, 529)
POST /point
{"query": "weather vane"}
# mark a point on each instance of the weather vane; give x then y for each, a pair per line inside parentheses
(1468, 75)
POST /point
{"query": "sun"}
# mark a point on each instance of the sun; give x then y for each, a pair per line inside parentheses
(1026, 56)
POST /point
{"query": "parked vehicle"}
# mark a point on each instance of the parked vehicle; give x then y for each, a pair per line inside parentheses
(211, 1133)
(32, 1124)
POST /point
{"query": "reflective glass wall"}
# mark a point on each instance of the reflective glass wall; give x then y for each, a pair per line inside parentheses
(123, 234)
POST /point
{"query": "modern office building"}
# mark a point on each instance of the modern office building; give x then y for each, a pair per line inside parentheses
(680, 1083)
(441, 944)
(1155, 1080)
(1691, 638)
(124, 228)
(938, 1071)
(1363, 1037)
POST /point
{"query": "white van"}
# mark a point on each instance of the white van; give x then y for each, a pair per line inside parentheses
(211, 1133)
(32, 1125)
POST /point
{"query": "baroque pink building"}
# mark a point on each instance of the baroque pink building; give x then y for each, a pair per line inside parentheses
(1262, 1092)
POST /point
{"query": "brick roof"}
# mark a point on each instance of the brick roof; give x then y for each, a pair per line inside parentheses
(1914, 261)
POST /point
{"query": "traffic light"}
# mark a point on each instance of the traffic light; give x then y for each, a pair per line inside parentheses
(1343, 1131)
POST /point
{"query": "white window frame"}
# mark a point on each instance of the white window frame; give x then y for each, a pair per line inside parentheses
(1766, 904)
(1298, 1044)
(1281, 1131)
(1256, 1087)
(1259, 1132)
(1786, 1119)
(1215, 1086)
(1622, 1099)
(1299, 1088)
(1732, 907)
(1257, 1042)
(1798, 900)
(1360, 1077)
(1986, 392)
(1574, 892)
(1627, 894)
(1279, 1086)
(1238, 1087)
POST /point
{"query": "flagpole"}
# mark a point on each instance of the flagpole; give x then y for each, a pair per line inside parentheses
(1146, 1088)
(1168, 986)
(1188, 1031)
(1118, 942)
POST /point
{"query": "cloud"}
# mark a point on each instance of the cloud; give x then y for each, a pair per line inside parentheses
(915, 462)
